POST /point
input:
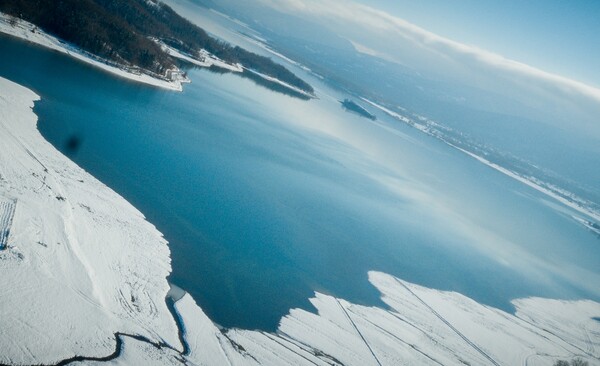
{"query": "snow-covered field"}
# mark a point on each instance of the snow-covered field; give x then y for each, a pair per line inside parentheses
(422, 327)
(83, 278)
(81, 263)
(27, 31)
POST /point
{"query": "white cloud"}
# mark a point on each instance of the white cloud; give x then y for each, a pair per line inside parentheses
(385, 26)
(361, 48)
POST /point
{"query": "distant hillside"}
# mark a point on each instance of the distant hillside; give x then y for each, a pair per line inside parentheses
(119, 30)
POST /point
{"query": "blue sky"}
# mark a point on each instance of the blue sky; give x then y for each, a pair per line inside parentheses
(561, 37)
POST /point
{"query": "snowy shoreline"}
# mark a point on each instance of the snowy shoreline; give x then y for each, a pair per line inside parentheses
(529, 181)
(204, 59)
(30, 33)
(85, 275)
(207, 60)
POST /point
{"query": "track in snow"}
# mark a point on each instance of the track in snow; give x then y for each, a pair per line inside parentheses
(469, 342)
(358, 331)
(7, 211)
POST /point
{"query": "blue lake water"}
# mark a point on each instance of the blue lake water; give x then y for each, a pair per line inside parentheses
(265, 198)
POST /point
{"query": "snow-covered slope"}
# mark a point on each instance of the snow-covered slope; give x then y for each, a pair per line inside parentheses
(81, 263)
(421, 327)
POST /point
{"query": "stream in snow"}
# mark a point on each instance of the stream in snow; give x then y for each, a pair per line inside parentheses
(265, 198)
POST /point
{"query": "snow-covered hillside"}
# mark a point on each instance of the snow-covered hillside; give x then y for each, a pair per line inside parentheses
(81, 263)
(83, 281)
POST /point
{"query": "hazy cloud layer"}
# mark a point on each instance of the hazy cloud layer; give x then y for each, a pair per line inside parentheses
(425, 51)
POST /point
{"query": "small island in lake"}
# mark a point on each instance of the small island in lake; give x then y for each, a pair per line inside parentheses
(352, 106)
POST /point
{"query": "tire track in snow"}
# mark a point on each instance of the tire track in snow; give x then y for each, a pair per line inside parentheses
(308, 348)
(277, 339)
(469, 342)
(358, 331)
(390, 334)
(7, 212)
(534, 324)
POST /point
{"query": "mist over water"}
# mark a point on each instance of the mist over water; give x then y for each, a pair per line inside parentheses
(265, 198)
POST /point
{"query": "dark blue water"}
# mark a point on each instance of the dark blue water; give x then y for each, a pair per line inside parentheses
(265, 198)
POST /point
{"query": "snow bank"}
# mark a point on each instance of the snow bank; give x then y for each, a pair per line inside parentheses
(421, 327)
(81, 263)
(29, 32)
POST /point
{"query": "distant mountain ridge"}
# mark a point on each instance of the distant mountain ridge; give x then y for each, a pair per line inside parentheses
(121, 31)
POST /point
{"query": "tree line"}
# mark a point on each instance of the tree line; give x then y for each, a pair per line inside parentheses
(119, 30)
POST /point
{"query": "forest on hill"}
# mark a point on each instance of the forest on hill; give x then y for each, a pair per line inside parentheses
(120, 31)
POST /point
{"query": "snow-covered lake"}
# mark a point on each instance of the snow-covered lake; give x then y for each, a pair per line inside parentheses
(265, 198)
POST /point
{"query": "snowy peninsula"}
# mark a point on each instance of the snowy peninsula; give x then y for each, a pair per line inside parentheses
(141, 40)
(28, 32)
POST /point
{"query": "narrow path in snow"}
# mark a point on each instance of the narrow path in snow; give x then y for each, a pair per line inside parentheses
(412, 346)
(358, 331)
(308, 348)
(469, 342)
(278, 341)
(7, 212)
(588, 343)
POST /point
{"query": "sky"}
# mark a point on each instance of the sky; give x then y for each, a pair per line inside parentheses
(557, 36)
